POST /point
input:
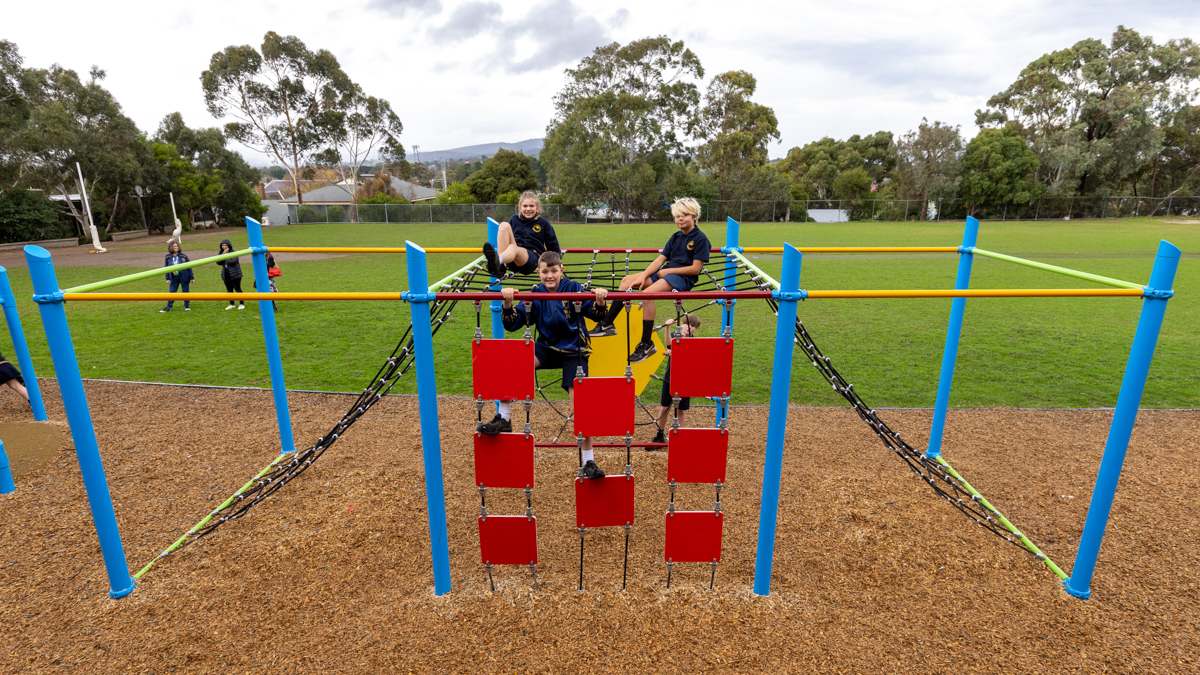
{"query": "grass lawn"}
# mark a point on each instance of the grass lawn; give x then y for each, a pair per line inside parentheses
(1067, 352)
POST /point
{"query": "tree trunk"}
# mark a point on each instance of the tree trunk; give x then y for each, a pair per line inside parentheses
(112, 219)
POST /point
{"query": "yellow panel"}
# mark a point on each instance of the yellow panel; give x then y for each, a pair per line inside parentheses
(609, 354)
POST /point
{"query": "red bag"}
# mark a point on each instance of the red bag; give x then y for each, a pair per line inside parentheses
(274, 272)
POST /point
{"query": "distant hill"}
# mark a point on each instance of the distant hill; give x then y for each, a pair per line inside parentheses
(530, 147)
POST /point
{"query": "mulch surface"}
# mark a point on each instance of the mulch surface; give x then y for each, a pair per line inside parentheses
(872, 572)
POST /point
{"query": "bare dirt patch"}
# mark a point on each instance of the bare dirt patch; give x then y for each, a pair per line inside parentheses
(872, 572)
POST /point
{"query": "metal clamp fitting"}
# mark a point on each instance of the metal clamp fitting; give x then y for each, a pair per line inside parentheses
(1148, 292)
(48, 298)
(966, 249)
(409, 296)
(258, 249)
(789, 295)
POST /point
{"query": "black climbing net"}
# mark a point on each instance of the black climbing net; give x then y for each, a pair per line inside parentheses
(594, 273)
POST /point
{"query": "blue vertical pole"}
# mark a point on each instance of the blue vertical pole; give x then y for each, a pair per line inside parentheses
(266, 311)
(431, 441)
(20, 347)
(497, 307)
(732, 237)
(1154, 306)
(781, 384)
(958, 307)
(6, 478)
(79, 418)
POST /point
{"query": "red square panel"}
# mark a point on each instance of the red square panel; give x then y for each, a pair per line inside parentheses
(604, 502)
(504, 461)
(508, 540)
(503, 369)
(694, 536)
(604, 406)
(696, 455)
(701, 366)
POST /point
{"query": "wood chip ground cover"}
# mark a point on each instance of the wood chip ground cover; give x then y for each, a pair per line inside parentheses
(872, 572)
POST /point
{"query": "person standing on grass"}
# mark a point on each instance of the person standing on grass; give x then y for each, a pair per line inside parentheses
(184, 278)
(12, 377)
(522, 240)
(272, 272)
(677, 268)
(691, 323)
(231, 274)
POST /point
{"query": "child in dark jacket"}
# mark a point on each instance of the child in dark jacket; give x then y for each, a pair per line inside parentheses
(184, 278)
(522, 240)
(562, 340)
(231, 274)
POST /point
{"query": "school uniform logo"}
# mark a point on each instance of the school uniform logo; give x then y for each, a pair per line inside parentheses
(691, 245)
(537, 228)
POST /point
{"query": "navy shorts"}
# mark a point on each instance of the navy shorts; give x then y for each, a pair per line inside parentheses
(664, 400)
(8, 372)
(530, 267)
(551, 358)
(678, 281)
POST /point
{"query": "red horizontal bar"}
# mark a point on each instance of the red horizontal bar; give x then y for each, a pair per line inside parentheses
(601, 445)
(611, 250)
(613, 295)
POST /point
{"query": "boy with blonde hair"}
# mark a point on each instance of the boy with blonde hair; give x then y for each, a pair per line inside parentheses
(677, 268)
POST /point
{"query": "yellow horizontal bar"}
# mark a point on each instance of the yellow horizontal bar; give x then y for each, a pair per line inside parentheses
(984, 293)
(351, 249)
(194, 297)
(854, 249)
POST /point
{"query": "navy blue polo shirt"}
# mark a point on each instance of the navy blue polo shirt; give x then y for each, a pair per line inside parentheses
(683, 249)
(536, 235)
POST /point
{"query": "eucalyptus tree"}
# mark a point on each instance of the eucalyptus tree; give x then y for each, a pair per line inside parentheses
(623, 113)
(286, 100)
(1094, 112)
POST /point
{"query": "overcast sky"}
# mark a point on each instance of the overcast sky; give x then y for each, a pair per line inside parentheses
(461, 72)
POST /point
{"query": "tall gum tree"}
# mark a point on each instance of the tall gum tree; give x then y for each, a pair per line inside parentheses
(624, 111)
(286, 101)
(1094, 113)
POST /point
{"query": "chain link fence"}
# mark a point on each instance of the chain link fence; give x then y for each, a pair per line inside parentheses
(752, 211)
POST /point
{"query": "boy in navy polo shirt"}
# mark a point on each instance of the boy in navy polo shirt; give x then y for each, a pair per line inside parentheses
(562, 340)
(677, 268)
(522, 240)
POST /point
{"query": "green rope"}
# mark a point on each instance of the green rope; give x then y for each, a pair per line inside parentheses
(162, 270)
(1059, 270)
(1003, 521)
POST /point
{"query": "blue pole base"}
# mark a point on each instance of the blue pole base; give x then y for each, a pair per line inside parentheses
(7, 486)
(1083, 594)
(124, 591)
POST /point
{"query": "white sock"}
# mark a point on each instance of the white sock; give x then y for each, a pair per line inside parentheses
(588, 456)
(506, 410)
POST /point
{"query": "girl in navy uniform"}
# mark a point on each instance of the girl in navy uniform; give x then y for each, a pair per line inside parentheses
(231, 274)
(185, 278)
(522, 240)
(677, 268)
(562, 340)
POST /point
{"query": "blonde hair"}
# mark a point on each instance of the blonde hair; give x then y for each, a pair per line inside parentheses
(528, 194)
(686, 206)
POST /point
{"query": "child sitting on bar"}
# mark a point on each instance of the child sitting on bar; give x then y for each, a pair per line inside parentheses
(691, 324)
(562, 340)
(522, 240)
(677, 268)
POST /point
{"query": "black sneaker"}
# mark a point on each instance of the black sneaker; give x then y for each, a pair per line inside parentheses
(603, 330)
(658, 438)
(590, 470)
(494, 266)
(498, 425)
(164, 310)
(643, 351)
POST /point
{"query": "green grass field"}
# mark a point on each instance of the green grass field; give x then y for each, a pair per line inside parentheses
(1067, 352)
